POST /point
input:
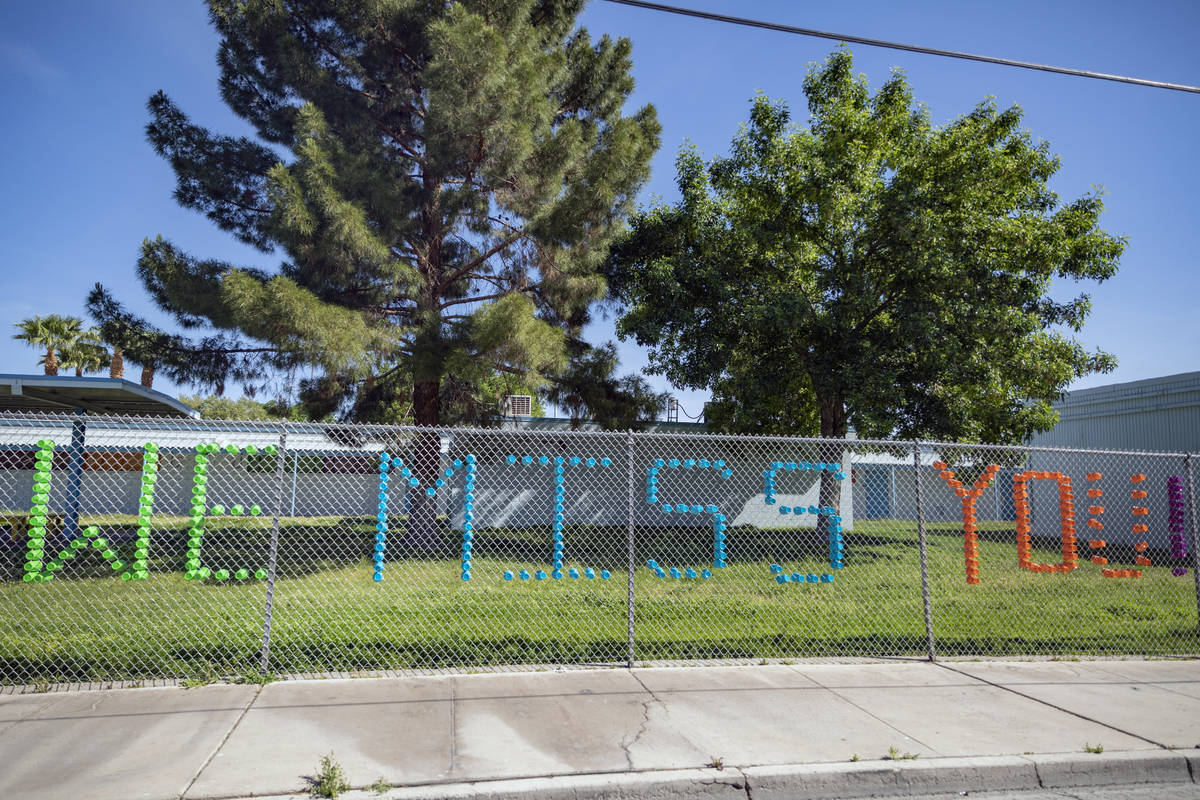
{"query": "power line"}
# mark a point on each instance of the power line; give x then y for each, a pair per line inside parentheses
(912, 48)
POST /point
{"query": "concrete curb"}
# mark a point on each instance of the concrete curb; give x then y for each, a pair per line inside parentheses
(1137, 766)
(894, 778)
(822, 781)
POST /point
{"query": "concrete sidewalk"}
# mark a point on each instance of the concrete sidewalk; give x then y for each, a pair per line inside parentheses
(808, 730)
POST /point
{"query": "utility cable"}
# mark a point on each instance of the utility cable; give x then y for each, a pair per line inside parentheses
(912, 48)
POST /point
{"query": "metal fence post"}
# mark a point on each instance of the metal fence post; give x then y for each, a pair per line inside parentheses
(75, 460)
(269, 607)
(921, 545)
(629, 551)
(1194, 539)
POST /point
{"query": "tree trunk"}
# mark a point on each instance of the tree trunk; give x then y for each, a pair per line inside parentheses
(51, 362)
(79, 372)
(148, 376)
(426, 456)
(116, 368)
(833, 426)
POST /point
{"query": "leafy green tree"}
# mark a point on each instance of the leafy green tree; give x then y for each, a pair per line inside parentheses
(590, 389)
(870, 269)
(53, 333)
(243, 408)
(441, 178)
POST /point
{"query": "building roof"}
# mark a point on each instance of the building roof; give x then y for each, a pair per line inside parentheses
(59, 393)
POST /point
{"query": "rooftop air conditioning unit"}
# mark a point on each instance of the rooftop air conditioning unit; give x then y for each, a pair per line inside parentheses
(518, 405)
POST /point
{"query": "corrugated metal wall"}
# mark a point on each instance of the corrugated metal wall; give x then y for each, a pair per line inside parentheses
(1155, 414)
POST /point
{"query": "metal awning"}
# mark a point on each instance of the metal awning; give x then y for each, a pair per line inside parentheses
(59, 393)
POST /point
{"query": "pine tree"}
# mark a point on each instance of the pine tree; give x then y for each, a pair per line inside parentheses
(454, 173)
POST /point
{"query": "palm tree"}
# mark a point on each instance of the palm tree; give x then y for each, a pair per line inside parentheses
(52, 332)
(87, 354)
(116, 367)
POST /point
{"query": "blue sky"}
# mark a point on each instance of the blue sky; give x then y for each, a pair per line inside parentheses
(82, 188)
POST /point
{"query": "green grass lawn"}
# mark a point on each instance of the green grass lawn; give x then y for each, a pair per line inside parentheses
(330, 616)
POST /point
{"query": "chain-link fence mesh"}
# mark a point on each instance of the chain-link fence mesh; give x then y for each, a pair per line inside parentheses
(138, 549)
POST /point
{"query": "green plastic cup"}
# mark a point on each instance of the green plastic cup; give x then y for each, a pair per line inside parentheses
(118, 565)
(126, 576)
(221, 574)
(236, 510)
(260, 574)
(232, 449)
(251, 450)
(205, 572)
(242, 574)
(218, 510)
(255, 510)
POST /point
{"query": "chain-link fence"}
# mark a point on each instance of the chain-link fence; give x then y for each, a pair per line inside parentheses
(143, 549)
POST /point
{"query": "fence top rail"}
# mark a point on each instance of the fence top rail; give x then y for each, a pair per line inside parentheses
(10, 419)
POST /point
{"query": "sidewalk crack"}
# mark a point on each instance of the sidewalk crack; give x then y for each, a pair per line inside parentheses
(220, 745)
(627, 744)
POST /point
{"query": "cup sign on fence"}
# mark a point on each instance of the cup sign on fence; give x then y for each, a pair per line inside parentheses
(466, 548)
(662, 491)
(1022, 487)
